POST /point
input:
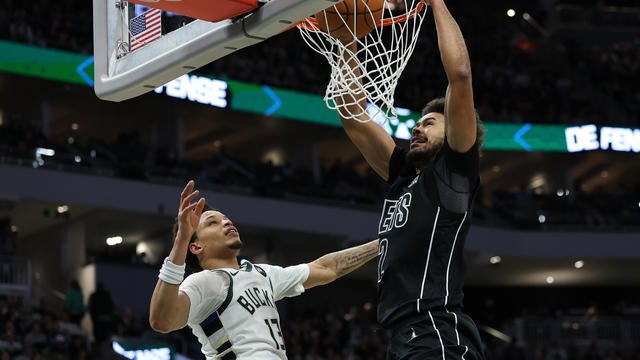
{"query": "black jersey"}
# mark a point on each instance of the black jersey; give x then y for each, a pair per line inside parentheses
(424, 222)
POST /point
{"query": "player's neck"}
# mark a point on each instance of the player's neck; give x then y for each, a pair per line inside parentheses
(422, 163)
(220, 263)
(421, 166)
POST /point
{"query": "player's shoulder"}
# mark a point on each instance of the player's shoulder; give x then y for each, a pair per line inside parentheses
(446, 149)
(448, 159)
(271, 271)
(266, 269)
(205, 275)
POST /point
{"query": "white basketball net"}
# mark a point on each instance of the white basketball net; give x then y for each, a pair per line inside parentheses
(381, 57)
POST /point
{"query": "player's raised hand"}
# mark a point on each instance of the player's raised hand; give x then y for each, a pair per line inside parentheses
(189, 212)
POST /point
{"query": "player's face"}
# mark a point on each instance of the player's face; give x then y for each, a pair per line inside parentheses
(218, 232)
(426, 138)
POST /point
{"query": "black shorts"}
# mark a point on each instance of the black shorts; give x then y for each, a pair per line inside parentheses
(435, 335)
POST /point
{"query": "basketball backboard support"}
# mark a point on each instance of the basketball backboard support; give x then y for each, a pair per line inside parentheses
(120, 74)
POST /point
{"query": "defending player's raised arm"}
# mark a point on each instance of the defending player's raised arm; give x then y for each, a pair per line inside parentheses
(337, 264)
(460, 125)
(370, 138)
(169, 307)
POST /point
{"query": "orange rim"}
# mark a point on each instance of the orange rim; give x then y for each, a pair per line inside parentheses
(310, 23)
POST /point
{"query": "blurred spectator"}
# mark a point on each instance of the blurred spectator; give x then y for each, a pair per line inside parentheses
(74, 302)
(10, 343)
(35, 339)
(102, 311)
(319, 333)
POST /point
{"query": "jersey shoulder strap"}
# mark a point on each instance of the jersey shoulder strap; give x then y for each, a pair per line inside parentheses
(229, 296)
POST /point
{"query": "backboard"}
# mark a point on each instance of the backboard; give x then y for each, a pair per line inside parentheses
(121, 73)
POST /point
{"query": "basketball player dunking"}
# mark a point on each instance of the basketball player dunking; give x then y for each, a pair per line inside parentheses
(427, 212)
(230, 307)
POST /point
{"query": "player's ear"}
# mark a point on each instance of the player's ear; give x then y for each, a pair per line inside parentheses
(194, 248)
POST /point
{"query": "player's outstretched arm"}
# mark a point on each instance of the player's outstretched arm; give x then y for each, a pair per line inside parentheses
(337, 264)
(169, 308)
(370, 138)
(460, 125)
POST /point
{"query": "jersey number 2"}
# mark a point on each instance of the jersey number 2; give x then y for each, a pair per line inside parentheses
(274, 328)
(382, 255)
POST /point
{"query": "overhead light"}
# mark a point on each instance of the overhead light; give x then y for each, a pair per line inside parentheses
(550, 279)
(44, 152)
(495, 259)
(539, 180)
(77, 158)
(276, 156)
(114, 240)
(142, 247)
(62, 209)
(40, 152)
(579, 264)
(511, 13)
(496, 168)
(70, 140)
(14, 228)
(74, 126)
(542, 219)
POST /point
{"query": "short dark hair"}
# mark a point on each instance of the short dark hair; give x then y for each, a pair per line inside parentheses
(437, 105)
(192, 260)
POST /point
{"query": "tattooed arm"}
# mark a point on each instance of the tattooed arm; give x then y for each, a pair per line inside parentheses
(336, 264)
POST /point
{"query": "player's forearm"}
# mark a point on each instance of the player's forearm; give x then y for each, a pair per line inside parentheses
(351, 104)
(352, 99)
(453, 50)
(345, 261)
(178, 253)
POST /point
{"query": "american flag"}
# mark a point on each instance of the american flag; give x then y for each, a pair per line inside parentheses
(145, 28)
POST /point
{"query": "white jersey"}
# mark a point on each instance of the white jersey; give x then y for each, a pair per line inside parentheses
(233, 312)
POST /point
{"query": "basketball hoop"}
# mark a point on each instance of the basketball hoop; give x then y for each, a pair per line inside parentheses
(380, 56)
